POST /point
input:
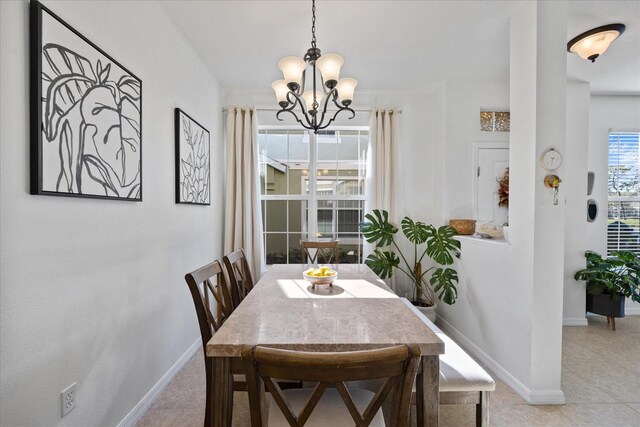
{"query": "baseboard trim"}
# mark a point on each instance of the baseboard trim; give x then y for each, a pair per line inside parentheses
(632, 311)
(546, 397)
(575, 321)
(138, 411)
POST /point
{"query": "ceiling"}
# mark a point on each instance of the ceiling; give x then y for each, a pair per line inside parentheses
(393, 46)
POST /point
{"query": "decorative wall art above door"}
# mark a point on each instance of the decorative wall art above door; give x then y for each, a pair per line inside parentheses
(192, 161)
(86, 116)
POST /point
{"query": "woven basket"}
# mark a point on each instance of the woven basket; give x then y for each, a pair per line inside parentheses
(465, 227)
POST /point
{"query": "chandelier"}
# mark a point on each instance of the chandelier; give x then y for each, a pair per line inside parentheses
(313, 103)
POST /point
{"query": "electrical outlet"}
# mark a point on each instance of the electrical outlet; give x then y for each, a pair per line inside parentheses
(68, 398)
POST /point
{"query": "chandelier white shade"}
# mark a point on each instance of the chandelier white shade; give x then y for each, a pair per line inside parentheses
(329, 65)
(281, 90)
(314, 101)
(309, 99)
(292, 68)
(346, 87)
(593, 43)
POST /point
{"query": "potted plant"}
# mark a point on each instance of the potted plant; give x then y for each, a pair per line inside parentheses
(439, 246)
(609, 281)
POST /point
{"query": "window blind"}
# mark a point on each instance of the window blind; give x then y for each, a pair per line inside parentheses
(623, 227)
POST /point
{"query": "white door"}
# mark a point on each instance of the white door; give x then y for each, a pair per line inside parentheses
(491, 165)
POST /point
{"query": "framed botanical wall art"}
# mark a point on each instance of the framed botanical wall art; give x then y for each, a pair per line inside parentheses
(86, 115)
(193, 161)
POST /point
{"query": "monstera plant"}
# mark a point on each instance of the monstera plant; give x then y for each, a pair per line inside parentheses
(429, 243)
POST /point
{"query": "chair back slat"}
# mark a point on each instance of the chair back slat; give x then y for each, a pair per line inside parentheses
(239, 275)
(396, 365)
(321, 252)
(306, 412)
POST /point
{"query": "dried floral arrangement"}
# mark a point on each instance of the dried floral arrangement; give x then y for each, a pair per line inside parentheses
(503, 191)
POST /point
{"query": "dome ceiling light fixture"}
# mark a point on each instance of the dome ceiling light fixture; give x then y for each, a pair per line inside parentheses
(591, 44)
(313, 103)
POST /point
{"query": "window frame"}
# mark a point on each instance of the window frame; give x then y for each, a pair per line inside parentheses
(310, 200)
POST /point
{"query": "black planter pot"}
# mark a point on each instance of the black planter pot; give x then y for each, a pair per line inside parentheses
(603, 305)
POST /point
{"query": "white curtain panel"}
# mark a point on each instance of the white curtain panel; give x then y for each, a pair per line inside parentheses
(243, 217)
(381, 165)
(381, 159)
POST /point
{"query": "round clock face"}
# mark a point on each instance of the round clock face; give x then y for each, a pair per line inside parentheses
(551, 159)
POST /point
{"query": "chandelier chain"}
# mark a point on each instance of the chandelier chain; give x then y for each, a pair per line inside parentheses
(313, 24)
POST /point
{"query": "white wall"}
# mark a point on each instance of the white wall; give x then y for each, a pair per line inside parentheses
(550, 118)
(575, 184)
(92, 291)
(607, 112)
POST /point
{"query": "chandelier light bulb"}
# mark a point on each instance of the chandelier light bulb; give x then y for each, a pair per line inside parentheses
(346, 87)
(329, 65)
(292, 68)
(593, 43)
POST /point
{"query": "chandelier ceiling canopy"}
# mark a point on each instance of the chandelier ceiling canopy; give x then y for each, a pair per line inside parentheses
(313, 102)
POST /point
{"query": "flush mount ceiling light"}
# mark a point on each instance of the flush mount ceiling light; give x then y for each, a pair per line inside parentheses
(313, 103)
(591, 44)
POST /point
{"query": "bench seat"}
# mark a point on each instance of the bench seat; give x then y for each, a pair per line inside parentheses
(462, 380)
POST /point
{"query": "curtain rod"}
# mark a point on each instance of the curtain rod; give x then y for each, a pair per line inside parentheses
(357, 110)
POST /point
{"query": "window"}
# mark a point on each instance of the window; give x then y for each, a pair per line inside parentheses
(312, 186)
(623, 227)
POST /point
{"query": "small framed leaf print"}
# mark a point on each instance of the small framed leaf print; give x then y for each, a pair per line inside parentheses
(193, 161)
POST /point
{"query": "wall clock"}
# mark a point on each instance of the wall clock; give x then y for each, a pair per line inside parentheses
(551, 159)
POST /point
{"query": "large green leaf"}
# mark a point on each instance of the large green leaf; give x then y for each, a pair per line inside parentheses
(416, 232)
(382, 263)
(378, 229)
(443, 281)
(441, 246)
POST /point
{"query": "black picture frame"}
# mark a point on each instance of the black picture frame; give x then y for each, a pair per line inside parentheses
(85, 115)
(193, 166)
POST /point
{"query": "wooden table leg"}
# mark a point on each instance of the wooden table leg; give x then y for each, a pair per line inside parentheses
(428, 392)
(222, 395)
(419, 399)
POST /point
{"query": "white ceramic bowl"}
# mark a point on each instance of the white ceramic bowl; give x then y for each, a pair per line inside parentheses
(320, 280)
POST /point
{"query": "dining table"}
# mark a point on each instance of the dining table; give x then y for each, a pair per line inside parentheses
(358, 312)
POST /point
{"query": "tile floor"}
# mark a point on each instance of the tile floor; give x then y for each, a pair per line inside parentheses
(600, 379)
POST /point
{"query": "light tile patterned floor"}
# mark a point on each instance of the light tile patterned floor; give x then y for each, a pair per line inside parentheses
(600, 378)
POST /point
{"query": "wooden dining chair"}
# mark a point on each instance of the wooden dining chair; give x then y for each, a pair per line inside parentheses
(327, 251)
(212, 299)
(330, 402)
(239, 275)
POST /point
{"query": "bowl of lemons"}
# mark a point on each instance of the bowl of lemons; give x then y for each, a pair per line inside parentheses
(320, 276)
